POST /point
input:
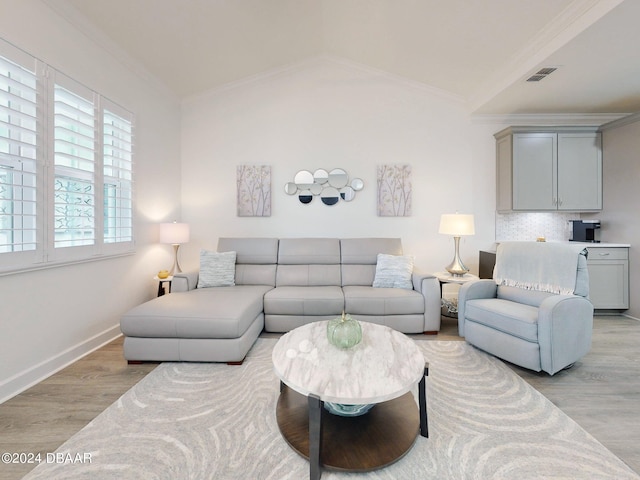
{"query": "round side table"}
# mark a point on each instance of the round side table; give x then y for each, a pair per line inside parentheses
(446, 277)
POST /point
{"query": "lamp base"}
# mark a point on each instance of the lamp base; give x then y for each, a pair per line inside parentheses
(457, 270)
(456, 267)
(176, 264)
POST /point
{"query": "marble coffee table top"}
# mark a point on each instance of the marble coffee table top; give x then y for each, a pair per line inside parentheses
(384, 365)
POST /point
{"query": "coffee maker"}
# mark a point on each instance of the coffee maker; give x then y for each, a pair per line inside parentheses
(585, 231)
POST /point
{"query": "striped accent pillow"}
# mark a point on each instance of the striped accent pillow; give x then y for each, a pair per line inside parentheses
(394, 271)
(217, 269)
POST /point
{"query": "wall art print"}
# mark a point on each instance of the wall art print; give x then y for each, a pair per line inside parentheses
(394, 190)
(254, 190)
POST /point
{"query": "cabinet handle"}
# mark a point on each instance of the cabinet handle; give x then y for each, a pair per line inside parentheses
(559, 202)
(603, 254)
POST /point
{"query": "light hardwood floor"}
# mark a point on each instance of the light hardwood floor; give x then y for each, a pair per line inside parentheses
(601, 393)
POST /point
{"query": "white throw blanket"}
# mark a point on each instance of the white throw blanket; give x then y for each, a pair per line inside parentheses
(544, 266)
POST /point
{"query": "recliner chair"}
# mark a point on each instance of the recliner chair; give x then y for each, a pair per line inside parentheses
(535, 313)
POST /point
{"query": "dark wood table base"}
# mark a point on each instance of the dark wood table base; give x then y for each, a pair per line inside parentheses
(368, 442)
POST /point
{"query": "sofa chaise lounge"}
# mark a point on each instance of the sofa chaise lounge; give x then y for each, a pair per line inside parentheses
(279, 284)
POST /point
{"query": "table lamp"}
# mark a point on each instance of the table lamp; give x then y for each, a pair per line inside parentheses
(457, 225)
(175, 234)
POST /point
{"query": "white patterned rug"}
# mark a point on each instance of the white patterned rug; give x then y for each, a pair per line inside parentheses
(213, 421)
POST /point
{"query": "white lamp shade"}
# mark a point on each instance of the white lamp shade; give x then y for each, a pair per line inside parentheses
(174, 233)
(457, 224)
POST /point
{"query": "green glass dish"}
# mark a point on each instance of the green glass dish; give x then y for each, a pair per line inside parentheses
(344, 332)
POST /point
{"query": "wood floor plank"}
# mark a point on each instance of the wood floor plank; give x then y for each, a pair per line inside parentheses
(601, 393)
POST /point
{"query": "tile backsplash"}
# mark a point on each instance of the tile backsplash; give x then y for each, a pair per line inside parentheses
(529, 226)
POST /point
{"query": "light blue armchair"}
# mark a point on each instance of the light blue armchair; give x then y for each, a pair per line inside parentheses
(535, 312)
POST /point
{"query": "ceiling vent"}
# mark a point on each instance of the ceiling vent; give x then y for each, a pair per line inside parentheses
(540, 74)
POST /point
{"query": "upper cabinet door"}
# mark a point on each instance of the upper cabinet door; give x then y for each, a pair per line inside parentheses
(579, 171)
(535, 160)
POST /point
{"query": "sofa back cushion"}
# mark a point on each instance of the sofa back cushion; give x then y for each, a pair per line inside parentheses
(520, 295)
(359, 257)
(256, 259)
(308, 261)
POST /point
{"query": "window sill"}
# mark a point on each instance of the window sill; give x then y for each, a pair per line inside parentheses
(16, 269)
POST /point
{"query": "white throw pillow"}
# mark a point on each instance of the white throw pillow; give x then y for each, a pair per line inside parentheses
(394, 271)
(217, 269)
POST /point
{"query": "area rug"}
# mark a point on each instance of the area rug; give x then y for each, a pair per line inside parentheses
(214, 421)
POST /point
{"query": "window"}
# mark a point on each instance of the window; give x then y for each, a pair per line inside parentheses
(66, 168)
(118, 175)
(18, 148)
(74, 147)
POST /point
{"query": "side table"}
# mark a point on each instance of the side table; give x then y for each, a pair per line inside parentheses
(446, 277)
(161, 283)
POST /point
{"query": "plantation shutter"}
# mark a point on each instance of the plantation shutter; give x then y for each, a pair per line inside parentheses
(74, 124)
(118, 174)
(18, 153)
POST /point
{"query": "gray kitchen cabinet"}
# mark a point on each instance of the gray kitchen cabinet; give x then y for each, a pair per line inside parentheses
(549, 169)
(608, 277)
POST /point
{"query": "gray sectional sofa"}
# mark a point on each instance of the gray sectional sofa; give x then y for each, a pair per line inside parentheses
(280, 284)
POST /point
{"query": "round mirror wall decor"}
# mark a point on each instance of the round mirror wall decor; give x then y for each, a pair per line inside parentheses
(357, 184)
(290, 188)
(303, 179)
(331, 186)
(330, 196)
(338, 178)
(316, 189)
(347, 194)
(305, 196)
(320, 176)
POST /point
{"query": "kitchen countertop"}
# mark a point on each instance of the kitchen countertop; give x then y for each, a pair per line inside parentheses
(492, 249)
(602, 244)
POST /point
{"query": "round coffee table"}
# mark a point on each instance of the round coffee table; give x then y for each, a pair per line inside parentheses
(380, 370)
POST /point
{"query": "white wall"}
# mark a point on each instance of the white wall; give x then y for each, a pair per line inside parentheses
(50, 317)
(619, 217)
(326, 114)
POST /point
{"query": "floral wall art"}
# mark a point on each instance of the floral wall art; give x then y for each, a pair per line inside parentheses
(394, 190)
(253, 190)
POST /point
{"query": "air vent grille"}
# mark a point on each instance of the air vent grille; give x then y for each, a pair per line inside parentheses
(542, 73)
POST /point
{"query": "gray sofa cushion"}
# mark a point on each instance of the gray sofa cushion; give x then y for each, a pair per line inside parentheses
(221, 312)
(363, 300)
(516, 319)
(256, 259)
(308, 275)
(323, 300)
(255, 251)
(301, 251)
(359, 257)
(308, 262)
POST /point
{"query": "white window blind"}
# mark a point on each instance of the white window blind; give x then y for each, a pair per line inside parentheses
(118, 175)
(18, 157)
(66, 168)
(74, 159)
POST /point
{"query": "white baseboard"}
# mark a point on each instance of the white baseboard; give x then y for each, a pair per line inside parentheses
(629, 316)
(33, 375)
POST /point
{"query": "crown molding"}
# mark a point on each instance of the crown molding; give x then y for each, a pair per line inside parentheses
(621, 122)
(549, 119)
(573, 20)
(318, 60)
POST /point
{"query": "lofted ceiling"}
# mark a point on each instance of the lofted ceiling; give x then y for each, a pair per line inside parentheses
(479, 50)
